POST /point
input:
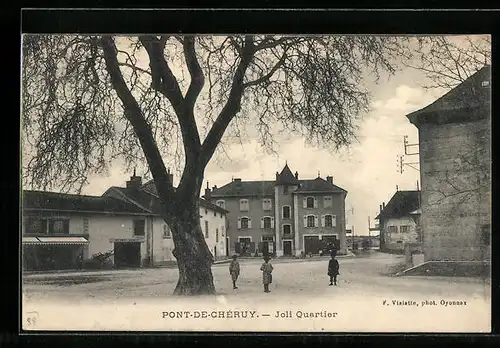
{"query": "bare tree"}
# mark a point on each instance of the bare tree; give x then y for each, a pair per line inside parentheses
(88, 100)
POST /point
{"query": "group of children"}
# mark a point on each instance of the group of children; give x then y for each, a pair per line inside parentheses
(267, 270)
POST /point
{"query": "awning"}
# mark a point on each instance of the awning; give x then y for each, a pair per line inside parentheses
(61, 240)
(30, 240)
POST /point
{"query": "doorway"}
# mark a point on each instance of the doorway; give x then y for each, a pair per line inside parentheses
(127, 254)
(287, 248)
(311, 244)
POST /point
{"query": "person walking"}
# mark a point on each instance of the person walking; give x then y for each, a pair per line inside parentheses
(234, 270)
(267, 277)
(333, 270)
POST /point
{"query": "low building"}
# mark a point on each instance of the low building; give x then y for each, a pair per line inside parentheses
(123, 225)
(159, 241)
(455, 171)
(287, 216)
(57, 228)
(398, 220)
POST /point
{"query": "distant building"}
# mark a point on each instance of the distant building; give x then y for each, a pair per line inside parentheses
(455, 170)
(398, 220)
(284, 217)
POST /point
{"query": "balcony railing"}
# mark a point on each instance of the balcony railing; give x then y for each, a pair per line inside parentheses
(288, 235)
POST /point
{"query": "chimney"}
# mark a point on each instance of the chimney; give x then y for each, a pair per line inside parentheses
(277, 175)
(214, 188)
(297, 175)
(135, 182)
(329, 179)
(383, 205)
(237, 180)
(207, 192)
(380, 207)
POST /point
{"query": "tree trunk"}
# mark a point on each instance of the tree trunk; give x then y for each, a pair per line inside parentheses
(194, 259)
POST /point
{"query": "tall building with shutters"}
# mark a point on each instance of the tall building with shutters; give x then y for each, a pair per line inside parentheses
(287, 216)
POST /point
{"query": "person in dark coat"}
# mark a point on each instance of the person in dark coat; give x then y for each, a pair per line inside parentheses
(234, 271)
(267, 270)
(333, 270)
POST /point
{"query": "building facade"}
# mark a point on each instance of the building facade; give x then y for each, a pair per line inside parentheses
(399, 221)
(160, 243)
(455, 169)
(124, 224)
(57, 228)
(285, 217)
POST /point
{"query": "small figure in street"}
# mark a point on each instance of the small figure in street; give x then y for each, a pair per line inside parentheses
(79, 261)
(333, 270)
(234, 271)
(267, 277)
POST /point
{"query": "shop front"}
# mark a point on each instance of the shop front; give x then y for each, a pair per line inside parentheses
(52, 253)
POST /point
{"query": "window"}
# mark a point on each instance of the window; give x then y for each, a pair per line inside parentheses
(404, 229)
(393, 229)
(287, 230)
(267, 238)
(328, 221)
(85, 225)
(267, 222)
(216, 235)
(221, 203)
(139, 227)
(310, 221)
(485, 235)
(285, 189)
(327, 202)
(286, 212)
(266, 204)
(310, 202)
(59, 226)
(243, 204)
(244, 222)
(166, 231)
(35, 225)
(206, 229)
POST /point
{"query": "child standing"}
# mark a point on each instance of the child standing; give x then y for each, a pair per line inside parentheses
(234, 270)
(267, 270)
(333, 270)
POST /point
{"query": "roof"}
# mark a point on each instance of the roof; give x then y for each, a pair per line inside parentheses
(245, 188)
(470, 96)
(266, 188)
(286, 177)
(403, 203)
(46, 200)
(147, 197)
(318, 185)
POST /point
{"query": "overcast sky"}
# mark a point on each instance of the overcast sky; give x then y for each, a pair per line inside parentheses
(368, 170)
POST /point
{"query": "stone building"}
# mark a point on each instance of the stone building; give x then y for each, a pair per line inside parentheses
(284, 217)
(455, 170)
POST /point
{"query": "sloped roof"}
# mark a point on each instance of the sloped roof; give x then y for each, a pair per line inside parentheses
(245, 188)
(71, 202)
(318, 185)
(403, 203)
(470, 96)
(286, 177)
(147, 196)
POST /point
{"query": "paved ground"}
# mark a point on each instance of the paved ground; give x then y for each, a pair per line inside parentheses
(364, 285)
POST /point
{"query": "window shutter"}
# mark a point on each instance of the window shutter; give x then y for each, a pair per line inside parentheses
(272, 222)
(322, 220)
(261, 222)
(334, 221)
(249, 223)
(305, 220)
(304, 202)
(315, 220)
(239, 223)
(315, 202)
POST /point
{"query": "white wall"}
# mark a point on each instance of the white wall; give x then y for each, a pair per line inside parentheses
(411, 236)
